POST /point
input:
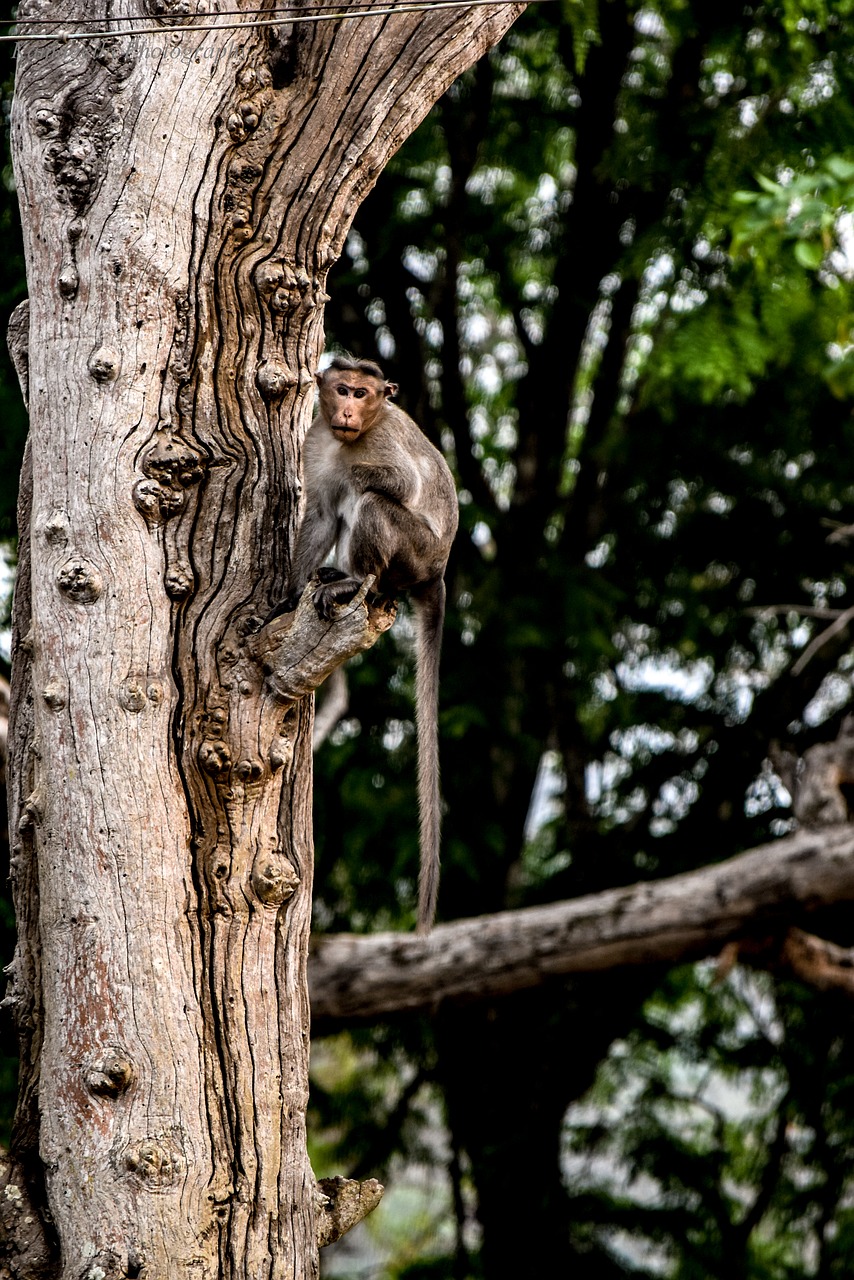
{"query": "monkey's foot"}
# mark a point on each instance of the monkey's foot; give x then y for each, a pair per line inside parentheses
(331, 594)
(284, 606)
(327, 574)
(297, 652)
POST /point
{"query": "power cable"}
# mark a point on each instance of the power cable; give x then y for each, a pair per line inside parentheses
(339, 13)
(354, 6)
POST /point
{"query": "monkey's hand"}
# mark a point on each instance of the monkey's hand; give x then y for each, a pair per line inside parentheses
(287, 605)
(331, 594)
(292, 599)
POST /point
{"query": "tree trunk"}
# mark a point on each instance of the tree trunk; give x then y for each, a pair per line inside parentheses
(184, 193)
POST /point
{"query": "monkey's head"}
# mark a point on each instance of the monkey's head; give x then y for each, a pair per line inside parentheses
(353, 394)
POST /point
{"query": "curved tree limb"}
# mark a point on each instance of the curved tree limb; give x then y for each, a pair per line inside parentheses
(334, 707)
(684, 917)
(819, 963)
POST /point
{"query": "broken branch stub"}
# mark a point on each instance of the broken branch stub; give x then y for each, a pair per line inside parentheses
(341, 1204)
(297, 651)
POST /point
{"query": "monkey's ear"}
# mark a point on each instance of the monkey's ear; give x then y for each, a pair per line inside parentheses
(318, 377)
(391, 389)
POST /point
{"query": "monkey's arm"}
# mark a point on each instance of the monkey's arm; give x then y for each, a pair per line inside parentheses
(315, 540)
(390, 481)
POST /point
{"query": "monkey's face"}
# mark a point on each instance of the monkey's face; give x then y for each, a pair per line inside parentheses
(351, 402)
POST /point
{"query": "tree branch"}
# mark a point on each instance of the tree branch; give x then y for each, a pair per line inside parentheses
(680, 918)
(334, 707)
(818, 963)
(298, 651)
(341, 1204)
(819, 641)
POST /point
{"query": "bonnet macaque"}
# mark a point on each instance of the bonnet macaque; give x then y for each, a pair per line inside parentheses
(378, 491)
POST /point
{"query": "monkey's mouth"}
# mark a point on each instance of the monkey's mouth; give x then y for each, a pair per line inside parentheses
(348, 431)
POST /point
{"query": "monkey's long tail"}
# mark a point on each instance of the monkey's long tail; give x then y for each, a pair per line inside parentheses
(430, 617)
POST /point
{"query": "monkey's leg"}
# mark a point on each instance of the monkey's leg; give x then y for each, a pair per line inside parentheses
(315, 540)
(394, 544)
(328, 573)
(363, 550)
(391, 543)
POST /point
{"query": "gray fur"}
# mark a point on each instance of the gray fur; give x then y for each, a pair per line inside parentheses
(378, 491)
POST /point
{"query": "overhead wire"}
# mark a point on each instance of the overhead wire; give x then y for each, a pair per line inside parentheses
(356, 6)
(288, 16)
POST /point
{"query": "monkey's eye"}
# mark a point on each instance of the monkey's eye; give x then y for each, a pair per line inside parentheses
(360, 392)
(343, 391)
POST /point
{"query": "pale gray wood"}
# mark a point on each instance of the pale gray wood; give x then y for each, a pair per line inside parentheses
(18, 342)
(333, 708)
(341, 1203)
(684, 917)
(297, 651)
(183, 197)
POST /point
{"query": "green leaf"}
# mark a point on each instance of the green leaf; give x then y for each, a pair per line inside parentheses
(810, 254)
(773, 188)
(840, 168)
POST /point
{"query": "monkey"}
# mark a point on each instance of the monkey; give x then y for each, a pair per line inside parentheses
(379, 492)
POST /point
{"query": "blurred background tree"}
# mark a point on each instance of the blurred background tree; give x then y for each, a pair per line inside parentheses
(612, 274)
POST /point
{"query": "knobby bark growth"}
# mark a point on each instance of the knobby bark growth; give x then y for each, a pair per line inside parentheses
(184, 193)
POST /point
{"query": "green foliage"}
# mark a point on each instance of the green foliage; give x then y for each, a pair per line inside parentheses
(610, 274)
(582, 18)
(720, 1136)
(803, 208)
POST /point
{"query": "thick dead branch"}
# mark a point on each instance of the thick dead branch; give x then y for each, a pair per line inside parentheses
(180, 219)
(298, 650)
(684, 917)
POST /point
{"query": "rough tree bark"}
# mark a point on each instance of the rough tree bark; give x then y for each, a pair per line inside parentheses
(184, 193)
